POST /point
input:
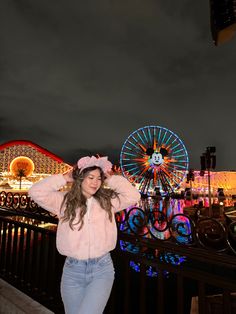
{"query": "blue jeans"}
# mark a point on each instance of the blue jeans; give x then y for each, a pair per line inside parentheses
(86, 284)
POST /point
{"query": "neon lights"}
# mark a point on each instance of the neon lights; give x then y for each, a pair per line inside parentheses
(154, 155)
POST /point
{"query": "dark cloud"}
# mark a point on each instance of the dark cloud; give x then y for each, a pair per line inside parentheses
(79, 77)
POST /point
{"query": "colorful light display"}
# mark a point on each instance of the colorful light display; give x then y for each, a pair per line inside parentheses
(27, 162)
(154, 157)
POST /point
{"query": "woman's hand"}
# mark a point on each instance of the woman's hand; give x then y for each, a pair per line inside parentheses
(108, 174)
(68, 176)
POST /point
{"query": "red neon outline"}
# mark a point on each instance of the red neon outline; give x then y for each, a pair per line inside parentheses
(37, 147)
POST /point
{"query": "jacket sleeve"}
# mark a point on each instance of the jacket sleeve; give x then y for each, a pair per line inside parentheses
(128, 195)
(46, 193)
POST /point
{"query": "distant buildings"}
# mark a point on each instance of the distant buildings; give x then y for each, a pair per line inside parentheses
(225, 180)
(24, 162)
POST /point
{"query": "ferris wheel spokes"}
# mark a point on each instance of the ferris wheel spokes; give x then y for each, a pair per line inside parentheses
(153, 156)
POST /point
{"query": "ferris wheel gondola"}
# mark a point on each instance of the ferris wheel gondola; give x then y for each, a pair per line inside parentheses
(154, 158)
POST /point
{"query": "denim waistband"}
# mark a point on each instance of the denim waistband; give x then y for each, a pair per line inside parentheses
(86, 261)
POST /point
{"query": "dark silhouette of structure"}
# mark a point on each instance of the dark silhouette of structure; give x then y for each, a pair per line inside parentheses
(223, 20)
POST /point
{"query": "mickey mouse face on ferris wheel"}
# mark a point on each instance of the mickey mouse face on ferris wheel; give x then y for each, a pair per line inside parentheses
(156, 158)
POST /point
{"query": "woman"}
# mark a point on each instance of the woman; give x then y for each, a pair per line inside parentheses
(86, 230)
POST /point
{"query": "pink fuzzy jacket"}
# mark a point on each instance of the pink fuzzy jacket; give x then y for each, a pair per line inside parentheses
(98, 234)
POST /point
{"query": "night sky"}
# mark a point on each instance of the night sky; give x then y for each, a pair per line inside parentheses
(77, 77)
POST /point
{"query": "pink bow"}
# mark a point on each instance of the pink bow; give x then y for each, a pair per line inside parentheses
(101, 162)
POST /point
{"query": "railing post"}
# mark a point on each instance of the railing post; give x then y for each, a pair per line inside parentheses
(160, 291)
(180, 302)
(201, 298)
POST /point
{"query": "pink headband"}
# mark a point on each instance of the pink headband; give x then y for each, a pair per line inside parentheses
(101, 162)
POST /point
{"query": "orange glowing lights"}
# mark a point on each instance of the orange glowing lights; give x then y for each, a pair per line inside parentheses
(22, 163)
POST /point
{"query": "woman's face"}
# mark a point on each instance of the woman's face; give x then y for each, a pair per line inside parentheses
(91, 183)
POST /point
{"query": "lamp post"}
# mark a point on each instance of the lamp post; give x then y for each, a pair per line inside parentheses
(190, 179)
(208, 162)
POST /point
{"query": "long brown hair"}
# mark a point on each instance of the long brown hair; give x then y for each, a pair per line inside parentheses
(74, 198)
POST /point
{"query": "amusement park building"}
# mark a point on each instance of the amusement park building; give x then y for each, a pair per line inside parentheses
(29, 161)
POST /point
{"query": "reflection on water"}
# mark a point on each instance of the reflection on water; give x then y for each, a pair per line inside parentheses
(160, 219)
(167, 205)
(156, 219)
(174, 206)
(168, 219)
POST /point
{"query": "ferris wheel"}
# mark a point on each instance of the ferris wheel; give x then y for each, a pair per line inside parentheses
(154, 157)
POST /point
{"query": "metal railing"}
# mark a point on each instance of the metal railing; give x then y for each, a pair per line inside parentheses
(22, 204)
(29, 260)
